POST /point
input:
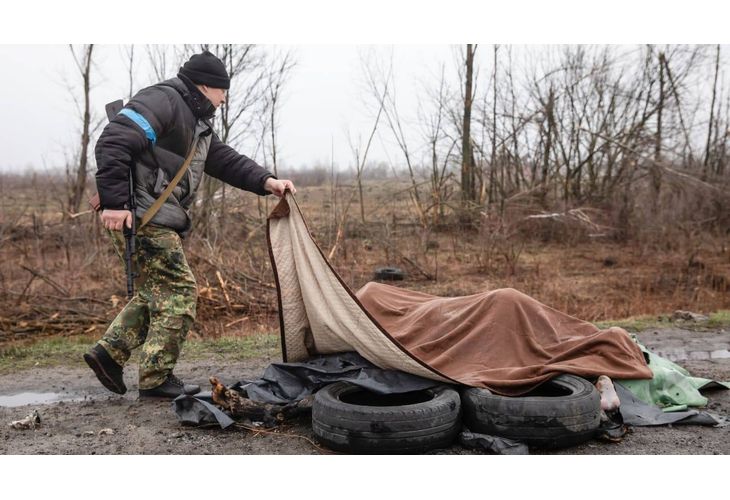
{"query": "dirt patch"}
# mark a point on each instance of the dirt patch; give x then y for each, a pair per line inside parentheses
(144, 427)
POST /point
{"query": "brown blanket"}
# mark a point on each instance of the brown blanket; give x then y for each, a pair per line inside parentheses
(502, 339)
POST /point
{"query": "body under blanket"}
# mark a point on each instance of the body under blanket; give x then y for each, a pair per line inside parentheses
(502, 340)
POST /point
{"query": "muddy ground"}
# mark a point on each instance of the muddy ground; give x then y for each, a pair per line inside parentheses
(144, 427)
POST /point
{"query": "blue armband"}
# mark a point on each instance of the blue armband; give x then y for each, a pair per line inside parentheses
(142, 122)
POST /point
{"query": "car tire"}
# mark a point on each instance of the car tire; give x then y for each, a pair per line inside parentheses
(561, 412)
(389, 274)
(348, 418)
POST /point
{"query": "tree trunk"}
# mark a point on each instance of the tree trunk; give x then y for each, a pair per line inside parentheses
(656, 174)
(131, 72)
(273, 134)
(79, 185)
(468, 192)
(493, 159)
(549, 117)
(706, 161)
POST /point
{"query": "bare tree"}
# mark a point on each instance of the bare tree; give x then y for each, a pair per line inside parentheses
(277, 76)
(244, 64)
(130, 70)
(381, 85)
(468, 175)
(159, 58)
(656, 175)
(83, 65)
(493, 156)
(360, 163)
(438, 141)
(706, 161)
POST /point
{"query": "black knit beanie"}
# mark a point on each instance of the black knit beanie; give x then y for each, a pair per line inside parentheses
(207, 69)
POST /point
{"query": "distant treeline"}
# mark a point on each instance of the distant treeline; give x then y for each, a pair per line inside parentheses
(640, 132)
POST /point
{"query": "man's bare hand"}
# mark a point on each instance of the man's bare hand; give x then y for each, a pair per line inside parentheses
(115, 219)
(278, 186)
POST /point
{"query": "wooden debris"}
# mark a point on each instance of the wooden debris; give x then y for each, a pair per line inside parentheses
(239, 406)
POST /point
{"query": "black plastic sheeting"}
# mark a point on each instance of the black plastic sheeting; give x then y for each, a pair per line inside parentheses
(200, 410)
(493, 445)
(638, 413)
(284, 383)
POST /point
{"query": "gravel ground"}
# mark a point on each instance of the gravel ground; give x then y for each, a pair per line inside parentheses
(91, 420)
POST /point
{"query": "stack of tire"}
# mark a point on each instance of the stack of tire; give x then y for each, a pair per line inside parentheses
(562, 412)
(348, 418)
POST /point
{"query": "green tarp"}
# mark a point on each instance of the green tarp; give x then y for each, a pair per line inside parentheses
(672, 388)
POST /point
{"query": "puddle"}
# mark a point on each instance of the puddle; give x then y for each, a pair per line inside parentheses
(681, 354)
(37, 398)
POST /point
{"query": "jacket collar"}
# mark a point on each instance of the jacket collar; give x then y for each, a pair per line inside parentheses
(201, 107)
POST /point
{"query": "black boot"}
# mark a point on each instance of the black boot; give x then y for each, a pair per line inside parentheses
(171, 388)
(109, 373)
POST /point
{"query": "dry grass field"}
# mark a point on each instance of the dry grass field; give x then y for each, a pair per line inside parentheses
(60, 275)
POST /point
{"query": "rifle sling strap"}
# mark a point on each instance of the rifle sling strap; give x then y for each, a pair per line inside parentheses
(168, 190)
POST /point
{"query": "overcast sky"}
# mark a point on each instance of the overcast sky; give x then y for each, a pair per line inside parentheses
(323, 100)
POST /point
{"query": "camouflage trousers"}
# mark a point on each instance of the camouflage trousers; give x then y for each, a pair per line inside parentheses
(162, 310)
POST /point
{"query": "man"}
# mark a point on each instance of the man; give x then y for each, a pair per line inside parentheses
(151, 138)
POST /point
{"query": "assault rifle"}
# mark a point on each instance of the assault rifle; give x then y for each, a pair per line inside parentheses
(130, 233)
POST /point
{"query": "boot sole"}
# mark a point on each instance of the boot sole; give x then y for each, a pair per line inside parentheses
(102, 375)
